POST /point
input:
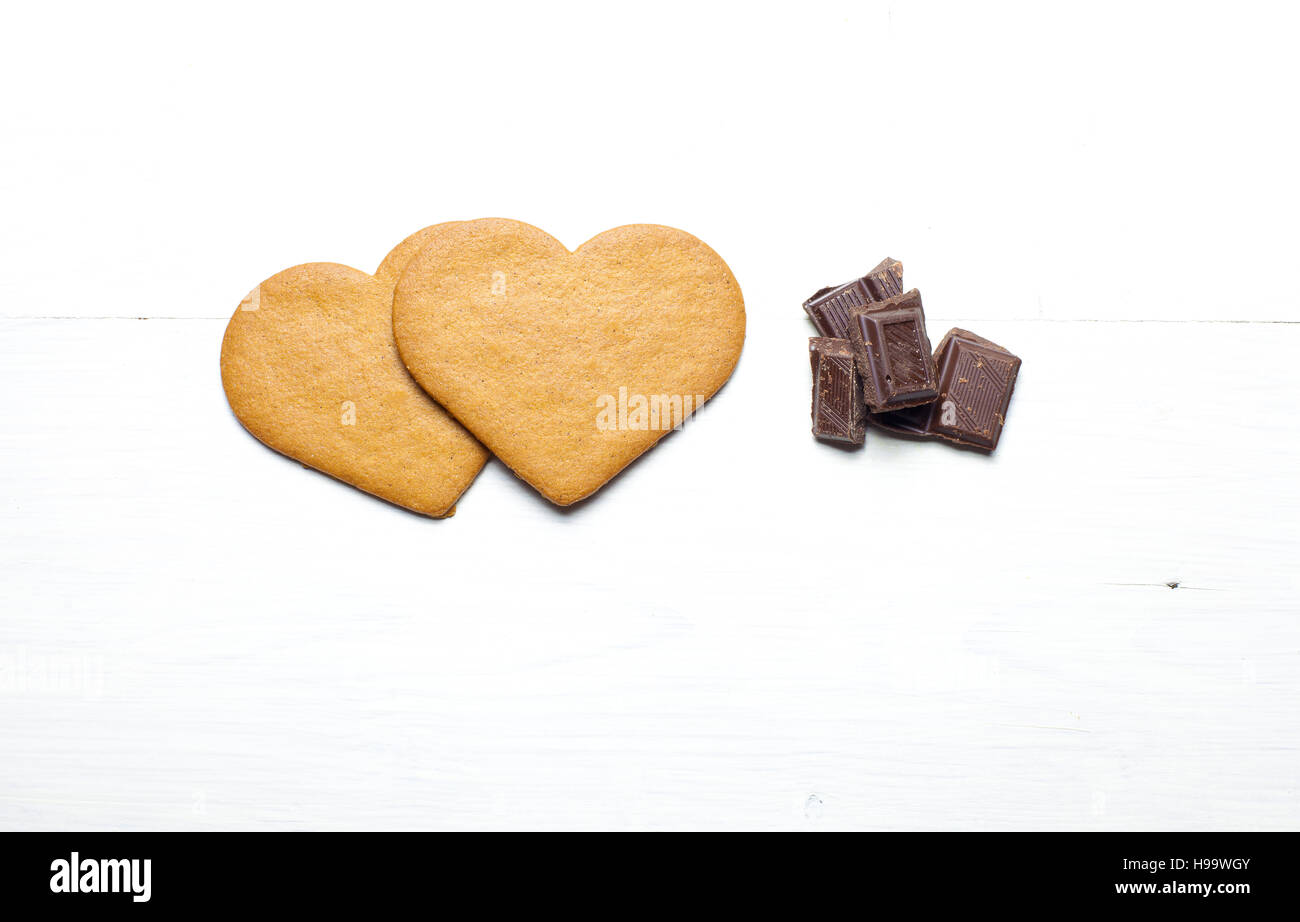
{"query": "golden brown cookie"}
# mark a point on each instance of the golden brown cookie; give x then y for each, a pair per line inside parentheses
(391, 268)
(310, 368)
(567, 366)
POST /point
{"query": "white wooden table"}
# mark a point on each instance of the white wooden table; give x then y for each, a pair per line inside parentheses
(1095, 628)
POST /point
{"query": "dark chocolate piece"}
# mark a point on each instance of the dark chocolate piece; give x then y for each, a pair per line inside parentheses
(830, 308)
(976, 378)
(838, 413)
(893, 353)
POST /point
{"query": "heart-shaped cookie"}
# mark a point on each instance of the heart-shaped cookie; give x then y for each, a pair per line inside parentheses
(567, 366)
(310, 368)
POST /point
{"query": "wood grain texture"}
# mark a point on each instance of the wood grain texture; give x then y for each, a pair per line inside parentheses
(1042, 136)
(199, 633)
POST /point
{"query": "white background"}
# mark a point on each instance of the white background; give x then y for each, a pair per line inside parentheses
(747, 629)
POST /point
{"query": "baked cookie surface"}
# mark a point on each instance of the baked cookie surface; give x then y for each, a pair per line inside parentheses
(568, 365)
(310, 368)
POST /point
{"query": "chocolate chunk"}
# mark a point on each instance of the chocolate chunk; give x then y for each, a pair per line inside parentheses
(838, 413)
(830, 308)
(976, 378)
(893, 353)
(886, 280)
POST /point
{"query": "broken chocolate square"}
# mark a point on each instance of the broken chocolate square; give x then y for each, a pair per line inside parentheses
(893, 353)
(829, 309)
(976, 379)
(838, 413)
